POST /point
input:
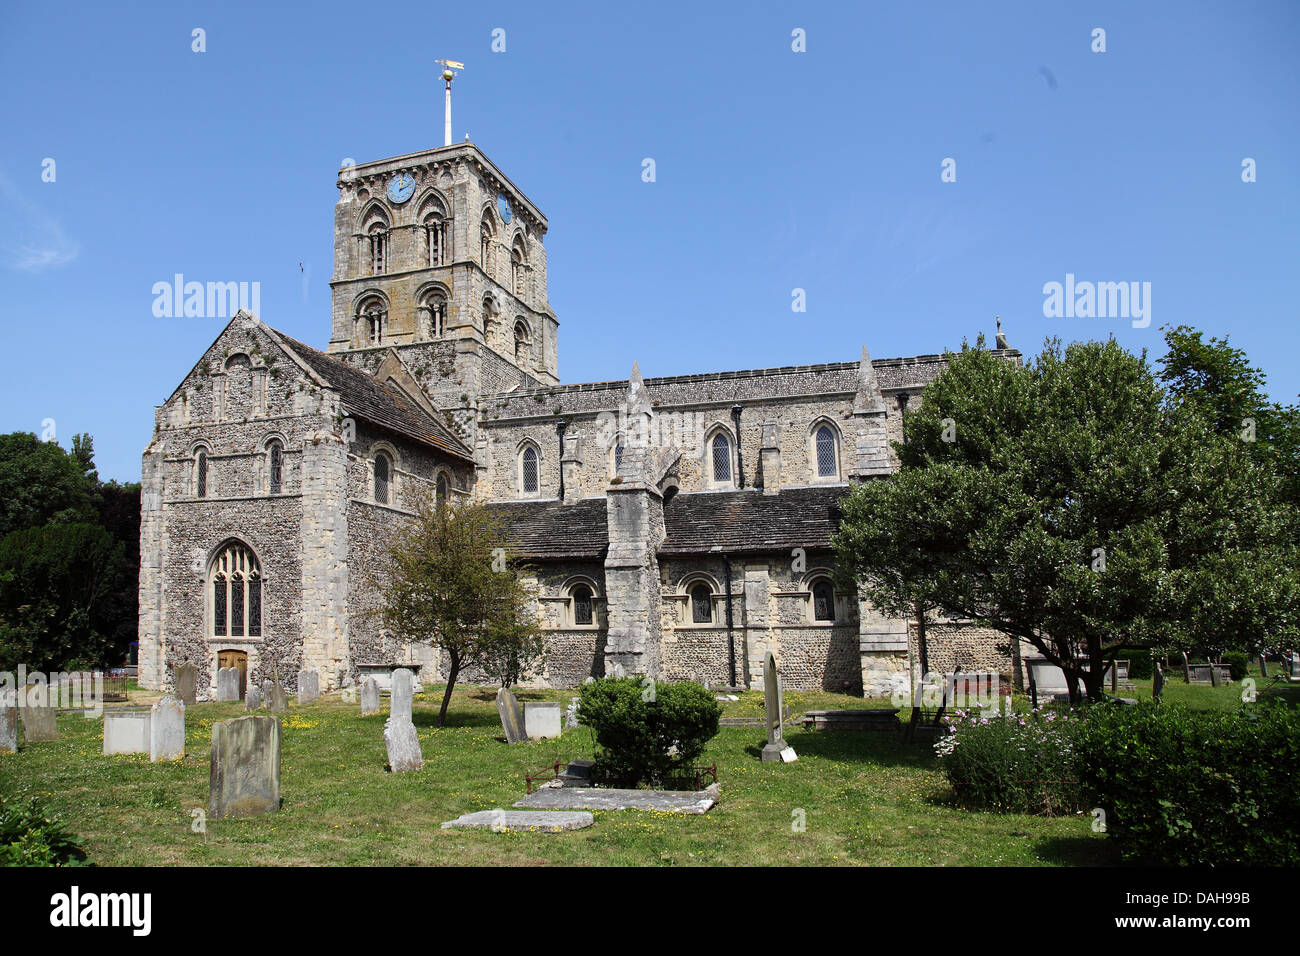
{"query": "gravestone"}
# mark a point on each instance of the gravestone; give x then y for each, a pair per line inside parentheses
(277, 701)
(8, 724)
(253, 699)
(227, 684)
(308, 687)
(185, 681)
(541, 719)
(403, 745)
(776, 749)
(512, 718)
(400, 703)
(167, 730)
(39, 719)
(1263, 666)
(245, 776)
(369, 696)
(127, 731)
(571, 713)
(1157, 682)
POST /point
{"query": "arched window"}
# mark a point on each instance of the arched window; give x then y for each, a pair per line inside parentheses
(201, 473)
(372, 318)
(828, 465)
(441, 489)
(489, 319)
(434, 307)
(701, 604)
(275, 466)
(485, 248)
(383, 477)
(528, 482)
(517, 270)
(618, 455)
(435, 239)
(521, 344)
(823, 600)
(378, 248)
(235, 584)
(720, 455)
(582, 605)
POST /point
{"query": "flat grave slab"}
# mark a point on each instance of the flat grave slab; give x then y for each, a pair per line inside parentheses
(544, 821)
(592, 798)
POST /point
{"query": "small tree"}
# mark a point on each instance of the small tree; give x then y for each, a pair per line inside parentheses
(451, 580)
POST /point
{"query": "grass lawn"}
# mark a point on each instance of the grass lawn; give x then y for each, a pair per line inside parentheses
(867, 798)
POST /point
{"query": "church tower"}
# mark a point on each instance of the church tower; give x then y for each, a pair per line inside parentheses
(439, 256)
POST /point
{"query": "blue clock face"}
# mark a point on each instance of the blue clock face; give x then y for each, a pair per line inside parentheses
(400, 187)
(503, 207)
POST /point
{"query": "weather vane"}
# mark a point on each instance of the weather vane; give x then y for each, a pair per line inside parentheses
(448, 74)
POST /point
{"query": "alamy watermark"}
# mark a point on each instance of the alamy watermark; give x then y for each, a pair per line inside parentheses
(1098, 300)
(79, 690)
(211, 300)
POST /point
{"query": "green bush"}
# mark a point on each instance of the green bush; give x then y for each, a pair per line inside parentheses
(1196, 787)
(1238, 662)
(30, 836)
(1020, 763)
(1141, 666)
(647, 732)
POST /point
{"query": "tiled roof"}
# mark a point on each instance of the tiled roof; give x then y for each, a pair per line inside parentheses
(387, 407)
(549, 529)
(752, 521)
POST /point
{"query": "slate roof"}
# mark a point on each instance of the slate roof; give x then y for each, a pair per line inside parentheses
(752, 521)
(549, 529)
(367, 399)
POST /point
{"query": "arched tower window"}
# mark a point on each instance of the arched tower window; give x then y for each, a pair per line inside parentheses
(372, 319)
(485, 247)
(201, 473)
(521, 345)
(383, 477)
(378, 235)
(434, 308)
(275, 466)
(235, 586)
(828, 465)
(529, 482)
(517, 269)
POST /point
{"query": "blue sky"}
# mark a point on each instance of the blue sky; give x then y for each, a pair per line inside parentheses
(775, 170)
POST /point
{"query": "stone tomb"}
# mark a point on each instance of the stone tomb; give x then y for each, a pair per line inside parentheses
(308, 687)
(400, 702)
(8, 724)
(403, 745)
(167, 730)
(541, 719)
(527, 821)
(512, 718)
(39, 719)
(776, 750)
(127, 731)
(245, 775)
(369, 696)
(185, 681)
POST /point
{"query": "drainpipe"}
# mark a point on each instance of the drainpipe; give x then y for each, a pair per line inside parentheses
(740, 474)
(560, 426)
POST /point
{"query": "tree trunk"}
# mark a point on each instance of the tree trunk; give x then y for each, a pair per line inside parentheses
(453, 671)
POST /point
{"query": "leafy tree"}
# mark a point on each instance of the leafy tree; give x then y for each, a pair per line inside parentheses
(56, 588)
(41, 483)
(450, 580)
(1075, 510)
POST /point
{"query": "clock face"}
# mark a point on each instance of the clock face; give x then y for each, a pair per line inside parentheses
(503, 207)
(400, 187)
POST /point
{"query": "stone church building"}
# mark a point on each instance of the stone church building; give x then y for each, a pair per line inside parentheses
(678, 527)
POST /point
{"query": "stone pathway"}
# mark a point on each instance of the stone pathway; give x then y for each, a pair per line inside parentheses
(543, 821)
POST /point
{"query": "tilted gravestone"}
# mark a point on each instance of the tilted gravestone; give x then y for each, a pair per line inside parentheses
(400, 705)
(308, 687)
(227, 684)
(127, 731)
(512, 718)
(167, 730)
(776, 750)
(185, 680)
(277, 700)
(369, 696)
(39, 719)
(8, 724)
(403, 745)
(253, 698)
(245, 775)
(541, 719)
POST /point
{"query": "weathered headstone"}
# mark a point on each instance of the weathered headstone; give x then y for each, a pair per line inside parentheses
(227, 684)
(512, 718)
(277, 700)
(167, 730)
(253, 698)
(308, 687)
(1157, 682)
(185, 681)
(403, 745)
(245, 775)
(400, 704)
(776, 749)
(8, 724)
(369, 696)
(541, 719)
(127, 731)
(40, 721)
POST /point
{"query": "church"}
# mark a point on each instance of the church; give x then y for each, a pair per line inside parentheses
(677, 527)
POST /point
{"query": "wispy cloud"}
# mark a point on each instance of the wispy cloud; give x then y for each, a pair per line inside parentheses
(31, 240)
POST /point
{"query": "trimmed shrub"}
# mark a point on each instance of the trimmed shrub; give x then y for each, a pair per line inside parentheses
(1238, 662)
(1018, 763)
(1195, 787)
(647, 732)
(30, 836)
